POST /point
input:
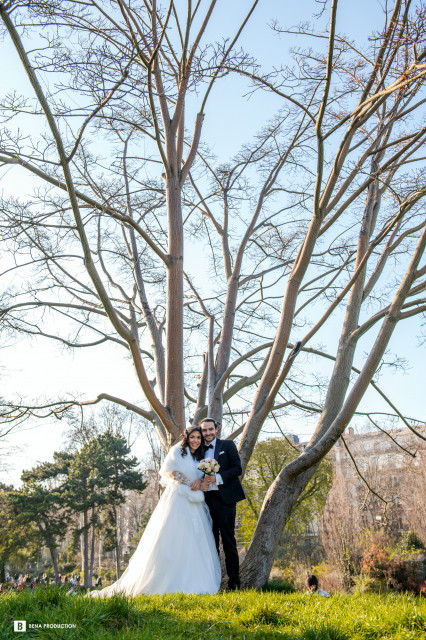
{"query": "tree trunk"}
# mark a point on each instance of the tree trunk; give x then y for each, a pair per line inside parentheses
(174, 322)
(117, 561)
(92, 549)
(54, 556)
(100, 553)
(117, 545)
(2, 572)
(85, 549)
(277, 508)
(81, 545)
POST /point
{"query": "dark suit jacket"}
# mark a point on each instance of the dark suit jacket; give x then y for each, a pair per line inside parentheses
(229, 461)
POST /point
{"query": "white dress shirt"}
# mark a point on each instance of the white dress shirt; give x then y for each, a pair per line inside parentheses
(214, 486)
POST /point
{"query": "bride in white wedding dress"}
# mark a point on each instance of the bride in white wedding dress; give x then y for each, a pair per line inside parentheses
(177, 552)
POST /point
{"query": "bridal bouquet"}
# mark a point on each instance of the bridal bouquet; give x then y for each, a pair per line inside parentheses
(209, 466)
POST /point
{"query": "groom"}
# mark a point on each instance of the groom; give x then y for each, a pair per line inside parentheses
(222, 492)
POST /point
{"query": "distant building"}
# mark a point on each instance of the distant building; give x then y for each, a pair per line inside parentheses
(394, 466)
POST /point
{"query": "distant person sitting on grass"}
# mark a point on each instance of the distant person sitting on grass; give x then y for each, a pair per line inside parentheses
(312, 586)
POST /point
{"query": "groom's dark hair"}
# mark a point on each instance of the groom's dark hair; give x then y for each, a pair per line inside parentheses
(216, 424)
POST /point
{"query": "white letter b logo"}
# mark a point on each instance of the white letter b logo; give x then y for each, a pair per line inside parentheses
(19, 625)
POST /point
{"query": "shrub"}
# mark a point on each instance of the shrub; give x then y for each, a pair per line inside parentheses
(375, 562)
(401, 575)
(398, 574)
(410, 541)
(363, 583)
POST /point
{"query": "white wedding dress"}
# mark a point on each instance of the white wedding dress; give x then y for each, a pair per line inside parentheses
(177, 552)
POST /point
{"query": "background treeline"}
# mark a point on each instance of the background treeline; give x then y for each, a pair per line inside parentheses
(89, 507)
(80, 492)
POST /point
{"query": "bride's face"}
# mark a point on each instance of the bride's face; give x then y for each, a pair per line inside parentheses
(194, 441)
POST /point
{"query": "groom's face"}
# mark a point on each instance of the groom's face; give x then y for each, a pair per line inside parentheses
(209, 431)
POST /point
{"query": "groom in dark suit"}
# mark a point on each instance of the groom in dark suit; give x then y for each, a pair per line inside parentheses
(222, 492)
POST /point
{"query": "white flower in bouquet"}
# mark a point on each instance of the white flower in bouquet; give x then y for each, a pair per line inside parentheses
(209, 466)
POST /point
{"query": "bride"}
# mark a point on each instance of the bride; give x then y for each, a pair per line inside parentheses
(177, 552)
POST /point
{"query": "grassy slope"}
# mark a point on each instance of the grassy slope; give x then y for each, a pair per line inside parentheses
(243, 616)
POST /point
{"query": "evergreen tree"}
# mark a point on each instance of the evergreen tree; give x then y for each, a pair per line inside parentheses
(84, 494)
(91, 482)
(17, 541)
(41, 506)
(119, 473)
(100, 474)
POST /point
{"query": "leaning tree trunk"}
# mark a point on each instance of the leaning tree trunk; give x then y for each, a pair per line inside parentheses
(293, 478)
(282, 496)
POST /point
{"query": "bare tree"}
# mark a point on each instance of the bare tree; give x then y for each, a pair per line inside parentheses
(378, 488)
(414, 494)
(322, 212)
(340, 527)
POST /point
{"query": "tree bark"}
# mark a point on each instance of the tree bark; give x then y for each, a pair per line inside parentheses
(276, 510)
(54, 555)
(117, 546)
(92, 549)
(100, 552)
(174, 322)
(86, 548)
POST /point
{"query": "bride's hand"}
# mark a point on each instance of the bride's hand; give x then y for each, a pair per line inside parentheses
(196, 485)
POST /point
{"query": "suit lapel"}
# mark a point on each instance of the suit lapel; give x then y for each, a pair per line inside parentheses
(217, 449)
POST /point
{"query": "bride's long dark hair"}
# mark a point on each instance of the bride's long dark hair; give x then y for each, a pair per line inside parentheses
(184, 445)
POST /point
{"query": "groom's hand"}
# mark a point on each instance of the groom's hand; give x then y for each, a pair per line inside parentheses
(196, 485)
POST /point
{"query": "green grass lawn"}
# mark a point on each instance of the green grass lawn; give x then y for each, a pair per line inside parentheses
(243, 615)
